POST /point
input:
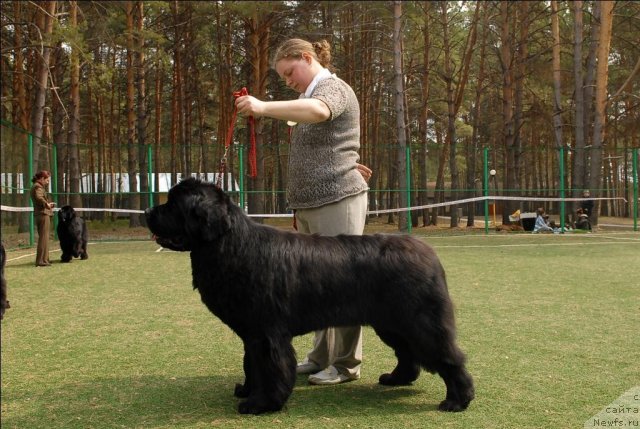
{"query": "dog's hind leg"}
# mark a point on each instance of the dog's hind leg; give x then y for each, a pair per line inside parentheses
(83, 253)
(271, 376)
(460, 390)
(83, 250)
(438, 353)
(408, 369)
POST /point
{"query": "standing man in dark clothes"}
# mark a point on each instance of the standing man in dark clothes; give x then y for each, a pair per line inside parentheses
(587, 206)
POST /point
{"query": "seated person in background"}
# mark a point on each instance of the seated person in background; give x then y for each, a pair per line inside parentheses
(582, 221)
(541, 222)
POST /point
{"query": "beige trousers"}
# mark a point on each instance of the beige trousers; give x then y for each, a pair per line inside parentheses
(340, 347)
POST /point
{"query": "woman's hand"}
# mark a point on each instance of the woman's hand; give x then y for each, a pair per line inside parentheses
(250, 106)
(365, 171)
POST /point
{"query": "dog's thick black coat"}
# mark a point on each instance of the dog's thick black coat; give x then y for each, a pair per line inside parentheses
(73, 234)
(270, 285)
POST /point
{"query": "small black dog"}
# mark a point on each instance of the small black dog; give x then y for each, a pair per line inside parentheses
(270, 285)
(73, 235)
(4, 304)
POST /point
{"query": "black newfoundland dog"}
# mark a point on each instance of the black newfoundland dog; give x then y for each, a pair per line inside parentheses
(270, 285)
(73, 235)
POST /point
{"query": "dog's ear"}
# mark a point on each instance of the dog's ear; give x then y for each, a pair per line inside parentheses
(212, 214)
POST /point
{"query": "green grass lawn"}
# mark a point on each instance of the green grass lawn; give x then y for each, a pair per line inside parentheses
(550, 325)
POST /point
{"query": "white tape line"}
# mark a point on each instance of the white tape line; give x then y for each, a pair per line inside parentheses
(80, 209)
(495, 198)
(372, 212)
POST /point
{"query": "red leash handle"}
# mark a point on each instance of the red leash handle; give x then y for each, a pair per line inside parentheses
(240, 93)
(236, 94)
(253, 169)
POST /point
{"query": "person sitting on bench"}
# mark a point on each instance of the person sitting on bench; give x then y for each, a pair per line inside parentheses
(582, 221)
(541, 222)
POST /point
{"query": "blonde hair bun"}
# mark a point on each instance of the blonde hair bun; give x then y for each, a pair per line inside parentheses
(294, 48)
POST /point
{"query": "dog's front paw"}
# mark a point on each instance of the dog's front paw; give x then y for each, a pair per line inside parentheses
(452, 406)
(241, 391)
(391, 380)
(257, 406)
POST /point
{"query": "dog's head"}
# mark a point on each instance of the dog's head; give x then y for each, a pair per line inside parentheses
(66, 213)
(195, 213)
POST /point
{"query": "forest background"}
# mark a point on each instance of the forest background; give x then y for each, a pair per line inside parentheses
(538, 84)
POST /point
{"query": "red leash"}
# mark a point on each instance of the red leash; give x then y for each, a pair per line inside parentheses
(253, 169)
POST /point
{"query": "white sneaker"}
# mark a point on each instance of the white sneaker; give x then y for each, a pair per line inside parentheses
(330, 376)
(307, 367)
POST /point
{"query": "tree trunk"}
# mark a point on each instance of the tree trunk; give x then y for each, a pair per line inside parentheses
(102, 152)
(59, 115)
(224, 48)
(515, 167)
(141, 120)
(20, 104)
(557, 76)
(74, 116)
(400, 112)
(258, 26)
(451, 138)
(176, 112)
(21, 114)
(134, 198)
(114, 165)
(182, 41)
(602, 75)
(577, 172)
(455, 94)
(506, 61)
(173, 136)
(423, 176)
(376, 198)
(438, 193)
(37, 112)
(475, 146)
(589, 85)
(159, 87)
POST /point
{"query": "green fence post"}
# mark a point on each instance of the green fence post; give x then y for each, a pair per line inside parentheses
(150, 174)
(408, 182)
(26, 188)
(635, 154)
(562, 202)
(485, 185)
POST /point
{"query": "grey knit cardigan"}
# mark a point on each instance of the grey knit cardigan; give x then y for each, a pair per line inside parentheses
(323, 156)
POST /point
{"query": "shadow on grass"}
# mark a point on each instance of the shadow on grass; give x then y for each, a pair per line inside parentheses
(149, 401)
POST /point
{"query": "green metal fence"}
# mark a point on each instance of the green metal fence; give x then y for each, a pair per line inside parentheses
(97, 176)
